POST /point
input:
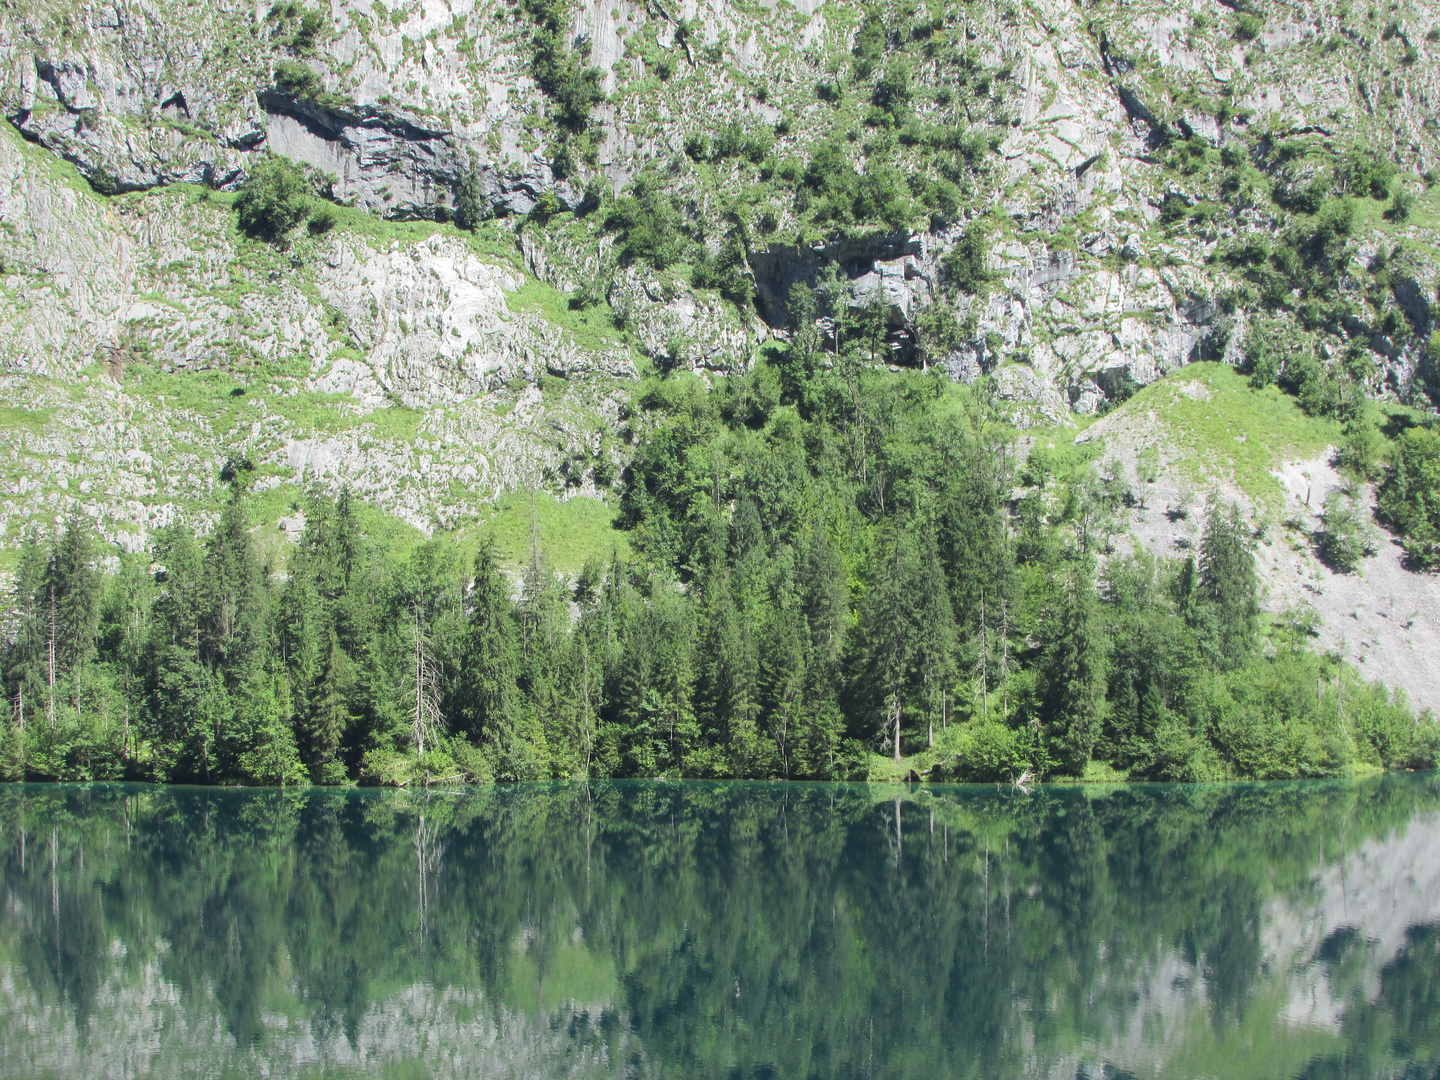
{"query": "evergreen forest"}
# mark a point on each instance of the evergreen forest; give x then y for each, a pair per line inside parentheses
(835, 571)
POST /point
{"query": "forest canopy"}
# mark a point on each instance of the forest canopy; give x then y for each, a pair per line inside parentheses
(836, 568)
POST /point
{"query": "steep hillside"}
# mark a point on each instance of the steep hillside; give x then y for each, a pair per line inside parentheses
(504, 214)
(1076, 200)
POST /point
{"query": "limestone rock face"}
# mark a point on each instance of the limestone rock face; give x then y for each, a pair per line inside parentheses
(338, 355)
(147, 341)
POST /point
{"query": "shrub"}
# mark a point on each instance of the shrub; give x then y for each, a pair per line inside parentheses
(882, 195)
(988, 753)
(1401, 203)
(1360, 452)
(966, 265)
(297, 80)
(1410, 497)
(648, 224)
(1247, 27)
(471, 206)
(546, 207)
(870, 41)
(1345, 536)
(311, 23)
(322, 220)
(1366, 172)
(273, 200)
(727, 272)
(103, 181)
(892, 93)
(557, 67)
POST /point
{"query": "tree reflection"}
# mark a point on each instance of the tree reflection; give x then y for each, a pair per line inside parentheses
(737, 930)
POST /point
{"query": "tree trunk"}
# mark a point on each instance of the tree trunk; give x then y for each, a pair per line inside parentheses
(50, 660)
(897, 729)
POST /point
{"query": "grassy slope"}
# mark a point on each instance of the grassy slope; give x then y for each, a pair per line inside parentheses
(1211, 427)
(1236, 434)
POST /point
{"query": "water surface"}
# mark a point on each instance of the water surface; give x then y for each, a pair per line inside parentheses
(722, 930)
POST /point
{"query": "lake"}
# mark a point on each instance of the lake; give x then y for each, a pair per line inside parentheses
(655, 929)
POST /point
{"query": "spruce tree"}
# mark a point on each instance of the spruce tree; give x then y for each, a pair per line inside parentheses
(75, 581)
(324, 724)
(887, 642)
(490, 666)
(1228, 587)
(1073, 707)
(728, 691)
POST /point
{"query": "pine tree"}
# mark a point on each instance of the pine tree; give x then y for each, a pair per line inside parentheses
(543, 678)
(1073, 708)
(782, 681)
(234, 624)
(75, 582)
(26, 654)
(887, 642)
(728, 689)
(935, 627)
(490, 667)
(1229, 587)
(324, 724)
(652, 696)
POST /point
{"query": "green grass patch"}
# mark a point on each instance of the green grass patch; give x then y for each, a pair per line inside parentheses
(591, 328)
(19, 418)
(210, 394)
(1220, 428)
(491, 244)
(311, 411)
(393, 538)
(49, 165)
(569, 534)
(396, 422)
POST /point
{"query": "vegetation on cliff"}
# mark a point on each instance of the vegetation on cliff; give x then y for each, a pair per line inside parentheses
(834, 567)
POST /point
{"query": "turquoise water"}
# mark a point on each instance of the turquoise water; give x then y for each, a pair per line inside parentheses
(722, 930)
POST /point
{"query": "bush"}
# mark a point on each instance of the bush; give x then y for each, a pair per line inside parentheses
(322, 220)
(311, 23)
(471, 206)
(892, 93)
(1345, 536)
(386, 768)
(1180, 755)
(870, 40)
(1410, 497)
(648, 224)
(966, 265)
(103, 181)
(557, 67)
(1268, 725)
(988, 753)
(297, 80)
(1366, 172)
(727, 272)
(273, 200)
(1401, 203)
(1360, 452)
(1247, 27)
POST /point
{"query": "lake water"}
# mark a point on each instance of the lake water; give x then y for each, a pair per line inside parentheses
(722, 930)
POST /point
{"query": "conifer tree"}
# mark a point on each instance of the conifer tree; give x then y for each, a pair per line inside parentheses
(1228, 585)
(887, 642)
(1073, 708)
(75, 582)
(323, 726)
(728, 695)
(489, 668)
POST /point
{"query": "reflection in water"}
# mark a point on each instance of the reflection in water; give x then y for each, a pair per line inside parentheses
(735, 930)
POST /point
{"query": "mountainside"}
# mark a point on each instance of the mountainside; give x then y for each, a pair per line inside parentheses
(1069, 199)
(429, 253)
